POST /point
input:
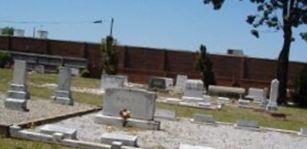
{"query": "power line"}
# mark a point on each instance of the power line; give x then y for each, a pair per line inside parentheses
(51, 22)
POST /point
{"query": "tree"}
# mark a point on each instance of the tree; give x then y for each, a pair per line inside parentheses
(109, 55)
(204, 65)
(277, 15)
(8, 31)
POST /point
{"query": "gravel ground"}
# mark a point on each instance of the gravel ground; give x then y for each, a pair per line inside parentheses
(38, 109)
(175, 132)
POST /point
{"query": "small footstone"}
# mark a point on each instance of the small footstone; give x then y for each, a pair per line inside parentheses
(127, 140)
(52, 129)
(247, 124)
(303, 132)
(203, 118)
(165, 114)
(187, 146)
(116, 145)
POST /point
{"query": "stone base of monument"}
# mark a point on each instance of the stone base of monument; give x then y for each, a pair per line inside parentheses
(63, 97)
(19, 89)
(118, 121)
(192, 99)
(16, 104)
(271, 106)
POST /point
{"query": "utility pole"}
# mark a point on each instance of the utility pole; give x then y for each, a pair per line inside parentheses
(111, 28)
(34, 30)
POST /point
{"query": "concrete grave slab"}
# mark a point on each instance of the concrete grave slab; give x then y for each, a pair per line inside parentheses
(247, 124)
(193, 91)
(51, 129)
(203, 118)
(127, 140)
(165, 114)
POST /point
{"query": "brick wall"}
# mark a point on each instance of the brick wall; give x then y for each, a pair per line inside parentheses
(141, 63)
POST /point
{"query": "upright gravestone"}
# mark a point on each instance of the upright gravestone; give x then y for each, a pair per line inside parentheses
(140, 103)
(63, 93)
(256, 94)
(193, 91)
(160, 83)
(17, 95)
(113, 81)
(180, 82)
(272, 105)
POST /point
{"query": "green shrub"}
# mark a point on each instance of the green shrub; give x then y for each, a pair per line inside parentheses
(85, 73)
(5, 58)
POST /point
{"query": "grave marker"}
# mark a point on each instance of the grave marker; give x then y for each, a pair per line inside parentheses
(165, 114)
(180, 82)
(253, 125)
(63, 92)
(203, 118)
(126, 140)
(140, 103)
(272, 105)
(160, 83)
(17, 95)
(51, 129)
(113, 81)
(193, 91)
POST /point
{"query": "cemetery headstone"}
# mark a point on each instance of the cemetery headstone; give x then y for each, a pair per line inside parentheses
(139, 102)
(247, 124)
(160, 83)
(51, 129)
(113, 81)
(256, 94)
(272, 105)
(63, 92)
(193, 91)
(165, 114)
(18, 94)
(127, 140)
(180, 82)
(203, 118)
(40, 69)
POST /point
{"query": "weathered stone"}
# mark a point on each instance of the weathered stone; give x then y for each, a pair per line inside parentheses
(165, 114)
(113, 81)
(303, 132)
(203, 118)
(224, 99)
(17, 95)
(272, 105)
(51, 129)
(63, 92)
(256, 94)
(160, 83)
(127, 140)
(140, 103)
(180, 82)
(116, 145)
(187, 146)
(39, 69)
(247, 124)
(193, 91)
(226, 91)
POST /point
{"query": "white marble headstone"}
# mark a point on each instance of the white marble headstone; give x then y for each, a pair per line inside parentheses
(257, 94)
(140, 103)
(20, 72)
(272, 105)
(180, 82)
(193, 91)
(111, 81)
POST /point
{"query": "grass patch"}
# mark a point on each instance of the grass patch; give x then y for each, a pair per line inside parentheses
(8, 143)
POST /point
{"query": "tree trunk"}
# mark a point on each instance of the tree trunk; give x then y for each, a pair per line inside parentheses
(282, 66)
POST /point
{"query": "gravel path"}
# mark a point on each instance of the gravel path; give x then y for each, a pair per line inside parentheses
(175, 132)
(38, 109)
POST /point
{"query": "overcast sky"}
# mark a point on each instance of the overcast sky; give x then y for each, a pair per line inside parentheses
(173, 24)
